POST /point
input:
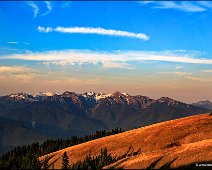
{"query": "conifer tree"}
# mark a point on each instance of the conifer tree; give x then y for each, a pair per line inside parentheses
(65, 161)
(45, 163)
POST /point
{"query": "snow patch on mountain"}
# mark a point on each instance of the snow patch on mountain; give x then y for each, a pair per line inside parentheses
(125, 94)
(19, 96)
(96, 96)
(102, 96)
(45, 94)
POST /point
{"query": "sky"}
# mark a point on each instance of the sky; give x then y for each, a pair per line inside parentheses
(151, 48)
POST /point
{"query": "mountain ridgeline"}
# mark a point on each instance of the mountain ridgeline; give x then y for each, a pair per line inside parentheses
(204, 104)
(26, 118)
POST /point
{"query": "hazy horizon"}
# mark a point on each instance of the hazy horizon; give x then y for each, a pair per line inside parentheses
(146, 48)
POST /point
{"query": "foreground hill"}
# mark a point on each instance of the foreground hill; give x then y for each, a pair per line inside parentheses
(174, 143)
(52, 115)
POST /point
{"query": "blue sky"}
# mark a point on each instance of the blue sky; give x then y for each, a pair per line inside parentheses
(149, 48)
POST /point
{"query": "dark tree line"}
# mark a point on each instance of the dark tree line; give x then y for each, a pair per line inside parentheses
(95, 162)
(99, 161)
(26, 157)
(90, 162)
(65, 161)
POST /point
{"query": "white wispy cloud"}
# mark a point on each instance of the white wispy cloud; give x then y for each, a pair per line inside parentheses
(207, 4)
(112, 64)
(46, 30)
(16, 42)
(145, 2)
(14, 69)
(183, 6)
(118, 59)
(179, 67)
(105, 64)
(186, 6)
(187, 75)
(20, 73)
(199, 79)
(49, 7)
(91, 30)
(13, 42)
(73, 80)
(34, 7)
(206, 71)
(178, 73)
(23, 77)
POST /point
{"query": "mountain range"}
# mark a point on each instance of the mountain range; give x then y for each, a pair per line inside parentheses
(26, 118)
(204, 104)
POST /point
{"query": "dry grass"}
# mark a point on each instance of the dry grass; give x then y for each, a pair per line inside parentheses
(181, 142)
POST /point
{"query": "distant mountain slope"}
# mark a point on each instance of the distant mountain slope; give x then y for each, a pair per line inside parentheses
(16, 133)
(203, 104)
(174, 143)
(67, 114)
(134, 111)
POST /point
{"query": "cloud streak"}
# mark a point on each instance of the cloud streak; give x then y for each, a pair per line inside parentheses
(184, 6)
(199, 79)
(17, 72)
(49, 7)
(178, 73)
(91, 30)
(14, 69)
(206, 71)
(34, 7)
(187, 75)
(12, 42)
(207, 4)
(178, 67)
(114, 59)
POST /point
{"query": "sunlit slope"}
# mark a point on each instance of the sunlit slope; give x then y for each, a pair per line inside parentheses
(177, 142)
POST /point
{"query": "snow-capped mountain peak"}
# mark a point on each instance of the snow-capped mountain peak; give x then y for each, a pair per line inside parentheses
(89, 94)
(102, 96)
(19, 95)
(96, 96)
(170, 101)
(125, 94)
(45, 94)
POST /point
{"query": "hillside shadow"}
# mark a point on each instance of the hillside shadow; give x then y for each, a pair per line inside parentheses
(168, 164)
(130, 152)
(154, 163)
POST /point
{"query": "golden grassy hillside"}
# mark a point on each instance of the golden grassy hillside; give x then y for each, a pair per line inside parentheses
(177, 143)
